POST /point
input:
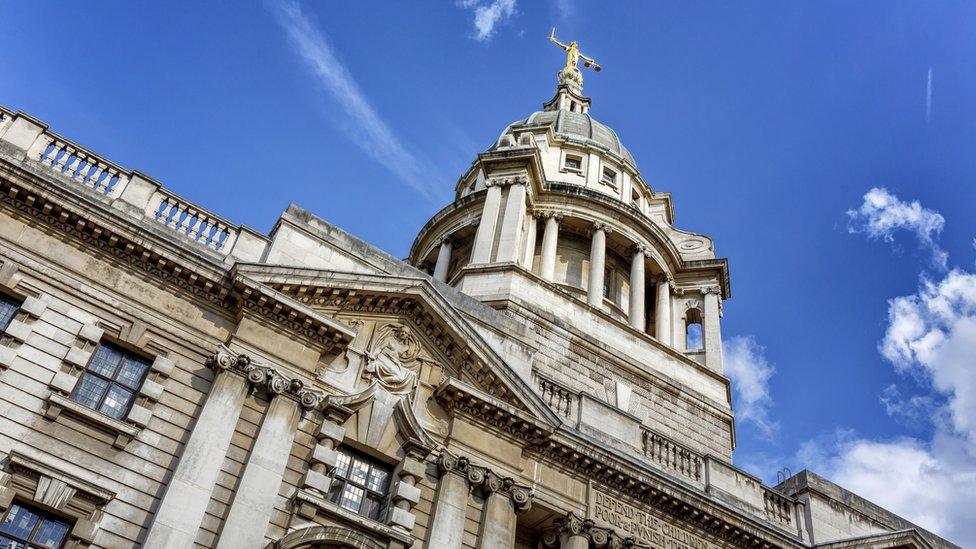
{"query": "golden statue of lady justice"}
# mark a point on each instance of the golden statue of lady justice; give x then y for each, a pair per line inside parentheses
(573, 54)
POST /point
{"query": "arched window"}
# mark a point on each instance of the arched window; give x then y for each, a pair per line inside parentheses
(694, 337)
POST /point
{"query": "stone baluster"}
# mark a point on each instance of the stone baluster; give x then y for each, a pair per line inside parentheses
(550, 239)
(185, 502)
(637, 303)
(598, 254)
(662, 311)
(712, 330)
(69, 151)
(443, 259)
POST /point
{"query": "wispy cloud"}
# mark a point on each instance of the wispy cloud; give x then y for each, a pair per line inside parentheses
(364, 125)
(882, 214)
(928, 97)
(746, 365)
(488, 15)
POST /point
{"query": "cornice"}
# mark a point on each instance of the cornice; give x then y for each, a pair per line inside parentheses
(96, 224)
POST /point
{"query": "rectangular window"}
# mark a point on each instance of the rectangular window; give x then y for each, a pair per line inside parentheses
(360, 484)
(8, 310)
(111, 380)
(608, 284)
(573, 163)
(609, 177)
(25, 527)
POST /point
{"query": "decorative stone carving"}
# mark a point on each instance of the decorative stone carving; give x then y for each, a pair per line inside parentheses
(393, 358)
(486, 480)
(260, 376)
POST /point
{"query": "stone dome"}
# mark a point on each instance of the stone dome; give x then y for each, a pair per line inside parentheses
(575, 126)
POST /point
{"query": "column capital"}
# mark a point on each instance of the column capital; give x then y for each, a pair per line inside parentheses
(602, 226)
(506, 181)
(573, 525)
(639, 249)
(266, 377)
(445, 239)
(712, 290)
(548, 214)
(486, 480)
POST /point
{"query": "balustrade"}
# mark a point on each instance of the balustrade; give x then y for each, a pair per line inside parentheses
(191, 222)
(779, 508)
(79, 165)
(559, 398)
(671, 456)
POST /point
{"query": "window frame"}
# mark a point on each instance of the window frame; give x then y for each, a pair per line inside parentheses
(43, 516)
(340, 481)
(17, 303)
(612, 179)
(567, 157)
(113, 380)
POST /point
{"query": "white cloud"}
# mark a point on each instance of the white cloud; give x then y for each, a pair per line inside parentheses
(747, 367)
(364, 125)
(932, 483)
(928, 97)
(487, 15)
(932, 334)
(931, 338)
(882, 214)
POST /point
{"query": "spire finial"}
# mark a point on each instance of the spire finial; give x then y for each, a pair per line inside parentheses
(570, 74)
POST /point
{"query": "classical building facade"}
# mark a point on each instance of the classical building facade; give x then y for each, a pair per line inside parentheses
(543, 371)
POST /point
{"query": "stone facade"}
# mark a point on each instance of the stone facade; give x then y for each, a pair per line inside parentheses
(543, 370)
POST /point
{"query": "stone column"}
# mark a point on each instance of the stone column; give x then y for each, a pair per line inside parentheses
(547, 264)
(512, 222)
(712, 330)
(184, 504)
(502, 501)
(528, 256)
(447, 524)
(637, 303)
(572, 531)
(443, 260)
(253, 503)
(598, 251)
(485, 237)
(662, 311)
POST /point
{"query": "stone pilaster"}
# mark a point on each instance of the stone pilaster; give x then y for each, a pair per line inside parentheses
(503, 500)
(485, 236)
(575, 532)
(712, 329)
(512, 222)
(185, 502)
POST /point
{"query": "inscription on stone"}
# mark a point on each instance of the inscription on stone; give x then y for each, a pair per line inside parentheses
(629, 521)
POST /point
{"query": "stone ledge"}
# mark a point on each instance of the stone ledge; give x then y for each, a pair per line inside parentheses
(57, 403)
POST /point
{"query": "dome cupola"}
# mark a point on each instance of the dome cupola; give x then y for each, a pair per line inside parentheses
(556, 220)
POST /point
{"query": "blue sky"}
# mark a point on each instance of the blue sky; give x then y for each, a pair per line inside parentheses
(768, 121)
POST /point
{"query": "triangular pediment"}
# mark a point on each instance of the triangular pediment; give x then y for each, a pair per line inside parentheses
(404, 323)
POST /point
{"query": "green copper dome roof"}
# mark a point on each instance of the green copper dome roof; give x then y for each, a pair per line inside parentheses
(576, 126)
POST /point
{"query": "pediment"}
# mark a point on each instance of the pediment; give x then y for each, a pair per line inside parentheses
(409, 340)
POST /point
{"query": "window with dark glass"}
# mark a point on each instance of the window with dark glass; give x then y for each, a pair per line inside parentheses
(111, 380)
(8, 310)
(360, 484)
(574, 163)
(28, 528)
(608, 284)
(609, 176)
